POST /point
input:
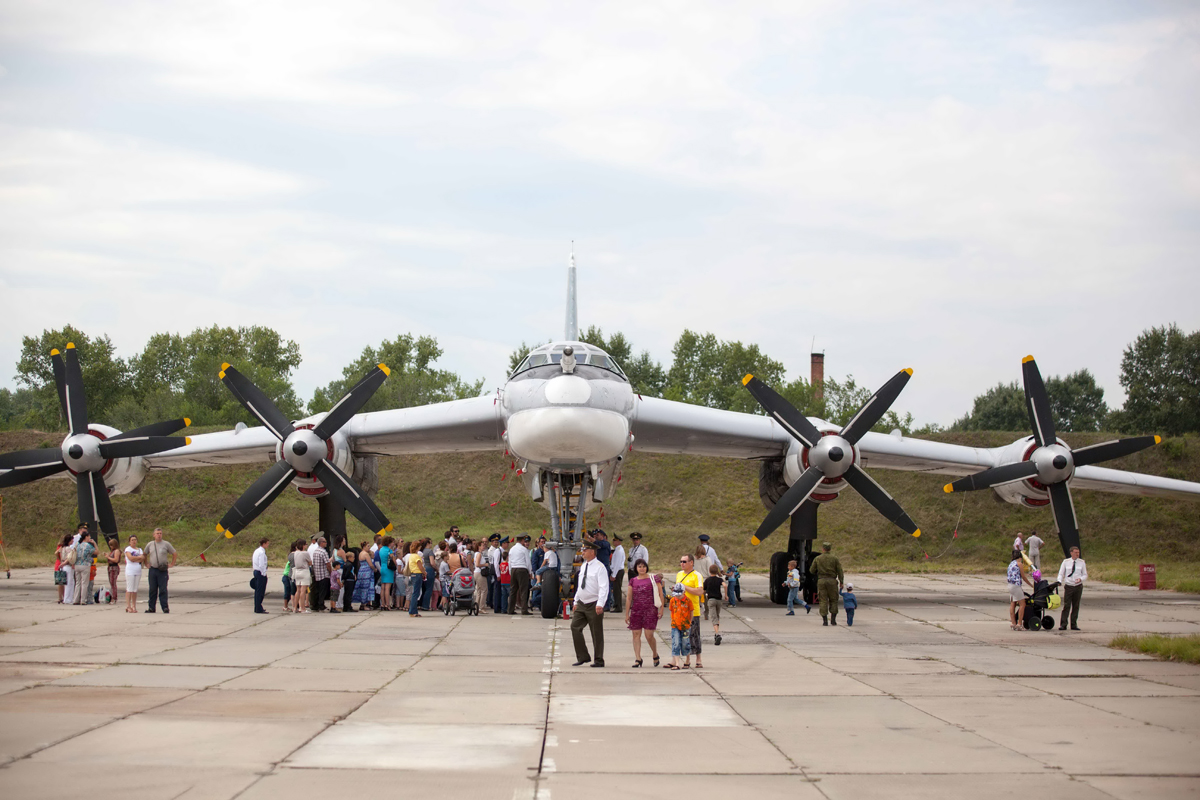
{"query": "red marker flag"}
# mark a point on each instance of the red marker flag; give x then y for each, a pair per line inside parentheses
(202, 558)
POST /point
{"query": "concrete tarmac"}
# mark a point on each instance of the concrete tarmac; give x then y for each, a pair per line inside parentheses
(929, 695)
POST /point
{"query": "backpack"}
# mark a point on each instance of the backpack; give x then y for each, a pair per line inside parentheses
(69, 556)
(681, 613)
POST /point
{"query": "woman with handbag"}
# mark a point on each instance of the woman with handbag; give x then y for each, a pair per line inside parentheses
(643, 609)
(60, 571)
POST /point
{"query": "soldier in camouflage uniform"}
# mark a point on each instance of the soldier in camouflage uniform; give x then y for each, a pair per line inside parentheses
(830, 579)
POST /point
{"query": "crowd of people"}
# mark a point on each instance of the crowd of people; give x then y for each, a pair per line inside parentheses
(77, 559)
(1025, 569)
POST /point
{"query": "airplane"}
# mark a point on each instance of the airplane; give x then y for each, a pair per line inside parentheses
(568, 415)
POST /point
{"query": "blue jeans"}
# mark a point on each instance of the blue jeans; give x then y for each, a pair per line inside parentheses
(497, 604)
(427, 592)
(505, 588)
(414, 586)
(680, 645)
(793, 598)
(731, 592)
(849, 616)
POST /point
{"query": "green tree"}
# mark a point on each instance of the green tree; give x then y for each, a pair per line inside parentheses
(1076, 402)
(709, 372)
(413, 381)
(105, 377)
(646, 375)
(1001, 408)
(843, 399)
(517, 356)
(1160, 372)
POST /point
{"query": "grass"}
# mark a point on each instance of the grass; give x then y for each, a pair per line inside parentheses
(670, 499)
(1168, 648)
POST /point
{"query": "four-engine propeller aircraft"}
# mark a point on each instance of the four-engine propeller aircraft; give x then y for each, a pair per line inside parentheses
(570, 418)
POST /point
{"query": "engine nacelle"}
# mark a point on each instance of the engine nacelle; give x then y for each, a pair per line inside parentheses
(774, 477)
(338, 453)
(121, 475)
(1029, 492)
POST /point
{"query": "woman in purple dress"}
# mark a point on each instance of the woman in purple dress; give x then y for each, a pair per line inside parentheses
(643, 607)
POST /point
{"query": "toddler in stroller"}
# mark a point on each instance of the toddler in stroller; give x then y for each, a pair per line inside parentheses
(1037, 605)
(459, 592)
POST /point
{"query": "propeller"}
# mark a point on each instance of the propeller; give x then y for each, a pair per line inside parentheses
(83, 452)
(831, 456)
(305, 451)
(1051, 463)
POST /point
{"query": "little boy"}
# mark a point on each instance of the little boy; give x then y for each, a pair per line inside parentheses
(505, 582)
(681, 624)
(794, 585)
(712, 602)
(849, 603)
(732, 585)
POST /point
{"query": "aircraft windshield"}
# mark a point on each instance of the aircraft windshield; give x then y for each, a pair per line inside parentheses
(590, 358)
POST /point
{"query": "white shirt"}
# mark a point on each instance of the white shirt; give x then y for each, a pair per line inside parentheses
(551, 559)
(259, 560)
(312, 548)
(493, 555)
(518, 557)
(1035, 545)
(1072, 572)
(712, 557)
(636, 552)
(593, 584)
(451, 541)
(618, 560)
(1017, 545)
(374, 549)
(133, 567)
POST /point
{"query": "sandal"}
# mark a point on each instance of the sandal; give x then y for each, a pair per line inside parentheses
(672, 666)
(637, 664)
(656, 661)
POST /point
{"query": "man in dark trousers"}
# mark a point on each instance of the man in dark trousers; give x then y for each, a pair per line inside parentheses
(259, 563)
(160, 557)
(1071, 574)
(618, 573)
(830, 580)
(590, 596)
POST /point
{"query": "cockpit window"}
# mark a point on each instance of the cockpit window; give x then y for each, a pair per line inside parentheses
(554, 356)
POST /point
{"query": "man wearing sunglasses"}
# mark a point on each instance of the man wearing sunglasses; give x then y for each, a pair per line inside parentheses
(694, 590)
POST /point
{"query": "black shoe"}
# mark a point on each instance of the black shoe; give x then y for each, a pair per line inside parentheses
(581, 663)
(261, 611)
(597, 663)
(833, 621)
(149, 610)
(1074, 628)
(825, 622)
(717, 642)
(165, 611)
(1062, 627)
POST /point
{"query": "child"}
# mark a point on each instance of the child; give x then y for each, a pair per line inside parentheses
(505, 582)
(712, 591)
(681, 623)
(849, 602)
(794, 585)
(732, 587)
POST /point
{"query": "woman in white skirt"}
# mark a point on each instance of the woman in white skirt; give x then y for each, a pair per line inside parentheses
(133, 574)
(301, 574)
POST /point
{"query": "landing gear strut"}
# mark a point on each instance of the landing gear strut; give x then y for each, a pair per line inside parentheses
(800, 545)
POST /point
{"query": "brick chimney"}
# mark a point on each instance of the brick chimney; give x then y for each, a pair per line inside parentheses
(818, 375)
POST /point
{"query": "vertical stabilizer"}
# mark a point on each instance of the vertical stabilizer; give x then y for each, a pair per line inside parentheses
(572, 332)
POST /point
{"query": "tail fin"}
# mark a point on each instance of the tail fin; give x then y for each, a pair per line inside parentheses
(572, 332)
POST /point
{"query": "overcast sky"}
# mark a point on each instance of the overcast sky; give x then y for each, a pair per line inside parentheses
(942, 186)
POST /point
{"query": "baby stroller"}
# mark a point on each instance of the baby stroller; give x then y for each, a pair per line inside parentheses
(460, 593)
(1037, 605)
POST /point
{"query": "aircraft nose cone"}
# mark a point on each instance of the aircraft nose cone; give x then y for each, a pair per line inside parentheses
(1060, 462)
(836, 454)
(299, 448)
(75, 451)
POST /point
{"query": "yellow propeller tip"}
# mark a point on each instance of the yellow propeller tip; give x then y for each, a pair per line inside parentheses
(754, 540)
(389, 527)
(917, 533)
(385, 369)
(70, 345)
(1158, 440)
(747, 379)
(187, 423)
(1026, 359)
(221, 374)
(187, 440)
(908, 370)
(219, 528)
(228, 534)
(225, 365)
(54, 351)
(948, 488)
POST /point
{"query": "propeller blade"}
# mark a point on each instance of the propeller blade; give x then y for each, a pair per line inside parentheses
(60, 380)
(354, 400)
(352, 498)
(156, 429)
(255, 500)
(993, 477)
(94, 505)
(76, 403)
(19, 475)
(883, 502)
(141, 446)
(874, 409)
(24, 459)
(789, 504)
(1038, 403)
(784, 412)
(1106, 451)
(256, 402)
(1064, 516)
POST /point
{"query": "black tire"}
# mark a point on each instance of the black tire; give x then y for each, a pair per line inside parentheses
(550, 600)
(1047, 623)
(778, 592)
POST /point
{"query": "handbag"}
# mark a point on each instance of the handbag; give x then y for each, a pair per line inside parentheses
(658, 603)
(60, 577)
(70, 557)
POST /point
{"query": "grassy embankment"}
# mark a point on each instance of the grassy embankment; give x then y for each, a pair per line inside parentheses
(670, 499)
(1168, 648)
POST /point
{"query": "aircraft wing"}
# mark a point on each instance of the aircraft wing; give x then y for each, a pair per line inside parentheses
(665, 426)
(455, 426)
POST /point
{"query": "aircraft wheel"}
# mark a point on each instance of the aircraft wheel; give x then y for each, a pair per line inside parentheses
(778, 592)
(550, 579)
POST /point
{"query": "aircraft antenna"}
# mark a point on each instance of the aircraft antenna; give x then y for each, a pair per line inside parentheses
(572, 332)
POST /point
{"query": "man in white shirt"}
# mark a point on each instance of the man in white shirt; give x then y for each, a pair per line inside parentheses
(618, 573)
(1019, 544)
(259, 562)
(1071, 574)
(636, 550)
(712, 554)
(591, 594)
(1034, 542)
(493, 560)
(519, 569)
